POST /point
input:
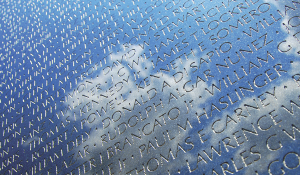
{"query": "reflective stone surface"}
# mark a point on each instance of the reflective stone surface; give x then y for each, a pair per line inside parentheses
(150, 87)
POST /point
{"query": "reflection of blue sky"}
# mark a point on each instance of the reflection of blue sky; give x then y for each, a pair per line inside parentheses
(106, 75)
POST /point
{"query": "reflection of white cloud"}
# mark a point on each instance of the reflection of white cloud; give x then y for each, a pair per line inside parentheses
(295, 68)
(124, 145)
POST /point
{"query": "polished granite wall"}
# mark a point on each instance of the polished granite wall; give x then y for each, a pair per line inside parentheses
(150, 87)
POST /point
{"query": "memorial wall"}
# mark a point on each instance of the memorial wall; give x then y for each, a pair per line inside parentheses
(150, 87)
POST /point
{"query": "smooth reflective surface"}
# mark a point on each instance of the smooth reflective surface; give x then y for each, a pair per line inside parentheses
(150, 87)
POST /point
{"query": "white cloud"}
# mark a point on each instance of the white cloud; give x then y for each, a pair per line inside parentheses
(129, 90)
